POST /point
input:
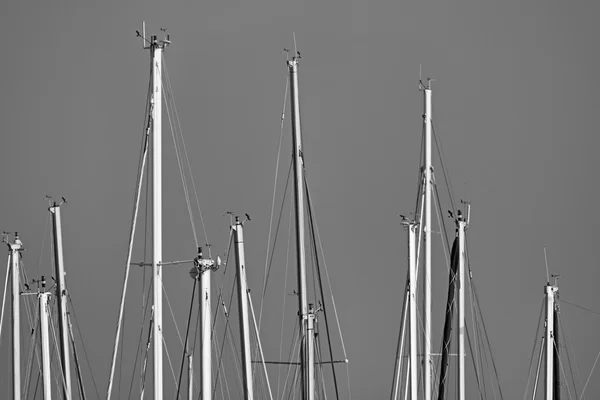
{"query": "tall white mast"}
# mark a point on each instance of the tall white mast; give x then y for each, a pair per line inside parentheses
(243, 309)
(306, 362)
(43, 303)
(156, 50)
(201, 271)
(412, 304)
(15, 248)
(61, 294)
(462, 225)
(551, 291)
(427, 270)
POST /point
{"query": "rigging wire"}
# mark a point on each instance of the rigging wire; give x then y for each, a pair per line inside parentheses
(564, 336)
(266, 280)
(181, 171)
(139, 349)
(320, 279)
(187, 331)
(316, 226)
(562, 370)
(444, 168)
(273, 200)
(581, 307)
(186, 155)
(285, 280)
(533, 350)
(87, 358)
(143, 156)
(589, 376)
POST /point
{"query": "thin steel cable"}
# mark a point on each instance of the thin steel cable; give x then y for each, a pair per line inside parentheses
(581, 307)
(320, 280)
(333, 302)
(562, 370)
(181, 171)
(563, 332)
(143, 155)
(87, 358)
(43, 243)
(186, 157)
(264, 291)
(139, 349)
(441, 156)
(187, 331)
(273, 199)
(8, 269)
(590, 375)
(537, 328)
(285, 280)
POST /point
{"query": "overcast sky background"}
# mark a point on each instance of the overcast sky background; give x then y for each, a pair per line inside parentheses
(515, 109)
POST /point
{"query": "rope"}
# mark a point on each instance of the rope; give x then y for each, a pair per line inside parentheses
(440, 154)
(562, 370)
(273, 200)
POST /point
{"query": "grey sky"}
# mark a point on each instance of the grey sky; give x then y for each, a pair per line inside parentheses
(514, 104)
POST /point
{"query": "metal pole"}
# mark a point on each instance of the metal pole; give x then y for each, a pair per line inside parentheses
(427, 280)
(15, 249)
(243, 309)
(306, 362)
(412, 299)
(550, 294)
(156, 50)
(61, 295)
(461, 307)
(43, 302)
(201, 272)
(190, 377)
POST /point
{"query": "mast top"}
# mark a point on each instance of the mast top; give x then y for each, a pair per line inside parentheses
(153, 42)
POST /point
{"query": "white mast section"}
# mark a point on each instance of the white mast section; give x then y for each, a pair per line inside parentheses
(201, 271)
(61, 295)
(306, 361)
(190, 377)
(427, 270)
(462, 225)
(243, 309)
(157, 49)
(43, 302)
(15, 248)
(412, 307)
(550, 301)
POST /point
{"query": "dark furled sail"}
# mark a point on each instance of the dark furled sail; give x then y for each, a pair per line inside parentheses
(449, 313)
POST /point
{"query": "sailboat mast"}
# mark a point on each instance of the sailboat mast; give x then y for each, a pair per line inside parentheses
(15, 249)
(156, 50)
(551, 292)
(201, 272)
(462, 224)
(427, 270)
(43, 303)
(306, 362)
(61, 295)
(243, 309)
(412, 299)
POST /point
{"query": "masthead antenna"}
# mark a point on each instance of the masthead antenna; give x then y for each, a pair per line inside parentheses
(546, 260)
